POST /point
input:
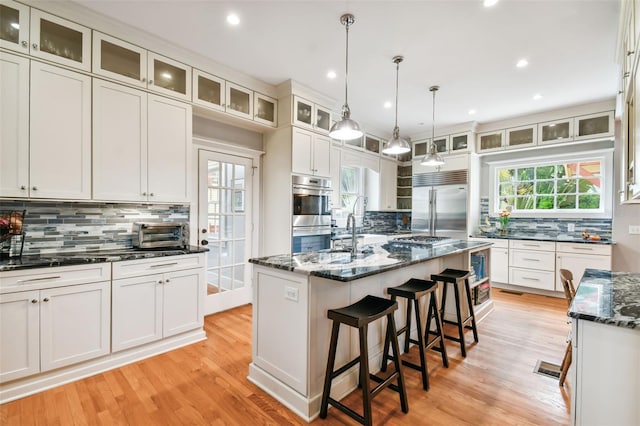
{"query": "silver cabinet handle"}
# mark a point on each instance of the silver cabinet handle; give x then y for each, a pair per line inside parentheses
(24, 43)
(530, 279)
(39, 279)
(46, 299)
(162, 265)
(583, 248)
(34, 300)
(35, 46)
(630, 52)
(531, 259)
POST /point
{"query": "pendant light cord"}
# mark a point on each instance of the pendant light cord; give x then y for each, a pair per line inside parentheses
(433, 119)
(346, 66)
(397, 72)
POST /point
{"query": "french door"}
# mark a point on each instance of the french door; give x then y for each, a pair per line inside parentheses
(224, 222)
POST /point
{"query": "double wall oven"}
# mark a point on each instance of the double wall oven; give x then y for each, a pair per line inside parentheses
(311, 214)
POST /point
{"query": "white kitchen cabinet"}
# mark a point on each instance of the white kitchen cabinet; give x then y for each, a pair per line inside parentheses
(576, 257)
(310, 153)
(594, 126)
(60, 316)
(265, 109)
(168, 77)
(372, 144)
(60, 133)
(388, 184)
(460, 142)
(335, 176)
(14, 125)
(14, 21)
(532, 264)
(58, 40)
(119, 60)
(141, 145)
(156, 298)
(239, 101)
(555, 131)
(208, 90)
(519, 137)
(499, 261)
(311, 115)
(491, 141)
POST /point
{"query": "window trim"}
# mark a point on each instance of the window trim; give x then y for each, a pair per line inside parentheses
(607, 176)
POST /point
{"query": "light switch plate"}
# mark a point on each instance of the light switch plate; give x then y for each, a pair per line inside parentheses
(291, 293)
(571, 227)
(634, 229)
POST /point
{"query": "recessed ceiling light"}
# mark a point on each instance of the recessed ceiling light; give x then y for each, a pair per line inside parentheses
(388, 104)
(489, 3)
(522, 63)
(15, 25)
(472, 111)
(331, 74)
(537, 96)
(233, 19)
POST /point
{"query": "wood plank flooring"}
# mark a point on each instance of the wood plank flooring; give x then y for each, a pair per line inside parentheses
(206, 383)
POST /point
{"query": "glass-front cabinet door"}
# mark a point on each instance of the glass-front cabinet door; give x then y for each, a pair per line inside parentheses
(518, 137)
(208, 90)
(323, 119)
(266, 110)
(119, 60)
(594, 125)
(491, 141)
(555, 131)
(372, 144)
(442, 143)
(169, 77)
(459, 142)
(59, 40)
(239, 101)
(420, 149)
(303, 112)
(14, 26)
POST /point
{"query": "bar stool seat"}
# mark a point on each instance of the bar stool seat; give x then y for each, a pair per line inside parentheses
(454, 277)
(359, 315)
(413, 290)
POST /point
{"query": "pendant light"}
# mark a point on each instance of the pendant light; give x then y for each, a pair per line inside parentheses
(432, 158)
(346, 129)
(397, 145)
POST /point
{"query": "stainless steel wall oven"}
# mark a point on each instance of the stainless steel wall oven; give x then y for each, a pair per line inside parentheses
(311, 214)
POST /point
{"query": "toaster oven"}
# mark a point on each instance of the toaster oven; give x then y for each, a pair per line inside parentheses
(160, 235)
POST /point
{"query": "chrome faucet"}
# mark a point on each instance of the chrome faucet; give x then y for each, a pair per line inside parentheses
(351, 221)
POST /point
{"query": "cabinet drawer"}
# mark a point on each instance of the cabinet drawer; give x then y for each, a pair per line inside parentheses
(531, 278)
(532, 245)
(584, 248)
(134, 268)
(38, 278)
(539, 260)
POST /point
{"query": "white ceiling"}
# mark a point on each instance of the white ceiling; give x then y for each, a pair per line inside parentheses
(467, 49)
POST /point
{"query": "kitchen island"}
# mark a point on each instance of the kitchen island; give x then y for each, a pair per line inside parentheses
(605, 372)
(292, 294)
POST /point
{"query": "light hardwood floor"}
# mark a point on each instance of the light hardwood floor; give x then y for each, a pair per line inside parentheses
(205, 383)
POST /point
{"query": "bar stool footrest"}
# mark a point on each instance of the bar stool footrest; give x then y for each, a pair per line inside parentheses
(384, 383)
(347, 410)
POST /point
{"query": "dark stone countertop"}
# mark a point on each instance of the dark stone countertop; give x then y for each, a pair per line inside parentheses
(608, 297)
(77, 258)
(560, 238)
(377, 258)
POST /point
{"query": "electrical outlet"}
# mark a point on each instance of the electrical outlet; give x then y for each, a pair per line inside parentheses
(571, 227)
(291, 293)
(634, 229)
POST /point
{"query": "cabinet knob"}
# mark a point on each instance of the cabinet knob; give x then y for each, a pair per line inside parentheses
(159, 281)
(22, 187)
(151, 194)
(144, 194)
(166, 281)
(630, 52)
(204, 230)
(143, 79)
(46, 299)
(35, 188)
(24, 43)
(34, 300)
(35, 46)
(150, 81)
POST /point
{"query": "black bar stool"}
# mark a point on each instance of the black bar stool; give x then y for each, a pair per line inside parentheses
(359, 315)
(455, 276)
(414, 289)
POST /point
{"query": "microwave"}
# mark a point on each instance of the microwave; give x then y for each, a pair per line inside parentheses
(148, 235)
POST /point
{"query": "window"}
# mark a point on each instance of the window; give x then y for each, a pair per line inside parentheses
(350, 184)
(569, 186)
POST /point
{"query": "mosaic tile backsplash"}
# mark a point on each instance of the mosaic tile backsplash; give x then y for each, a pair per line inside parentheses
(54, 227)
(550, 226)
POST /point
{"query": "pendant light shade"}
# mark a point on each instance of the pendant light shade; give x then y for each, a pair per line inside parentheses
(396, 145)
(346, 129)
(433, 158)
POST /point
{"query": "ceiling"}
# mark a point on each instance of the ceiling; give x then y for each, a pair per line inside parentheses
(469, 50)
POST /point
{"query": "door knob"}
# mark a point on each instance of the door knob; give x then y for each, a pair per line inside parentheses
(204, 230)
(204, 242)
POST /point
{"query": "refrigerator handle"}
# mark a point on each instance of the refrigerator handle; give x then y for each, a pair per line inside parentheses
(432, 215)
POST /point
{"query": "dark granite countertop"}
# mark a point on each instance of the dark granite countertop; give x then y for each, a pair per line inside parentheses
(608, 297)
(375, 259)
(76, 258)
(561, 238)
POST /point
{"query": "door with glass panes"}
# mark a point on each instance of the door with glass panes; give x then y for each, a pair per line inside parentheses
(225, 228)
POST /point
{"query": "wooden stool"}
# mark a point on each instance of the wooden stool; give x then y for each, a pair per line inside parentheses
(569, 291)
(359, 315)
(455, 276)
(414, 289)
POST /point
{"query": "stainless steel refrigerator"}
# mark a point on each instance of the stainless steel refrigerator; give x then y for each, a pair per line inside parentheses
(439, 204)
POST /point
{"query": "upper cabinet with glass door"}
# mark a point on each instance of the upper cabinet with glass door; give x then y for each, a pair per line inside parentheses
(208, 90)
(265, 109)
(593, 126)
(519, 137)
(239, 101)
(491, 141)
(14, 26)
(372, 144)
(119, 60)
(555, 131)
(311, 115)
(168, 77)
(61, 41)
(460, 142)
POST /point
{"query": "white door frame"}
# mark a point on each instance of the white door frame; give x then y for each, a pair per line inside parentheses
(233, 298)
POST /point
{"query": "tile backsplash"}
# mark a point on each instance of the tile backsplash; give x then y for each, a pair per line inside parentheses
(55, 226)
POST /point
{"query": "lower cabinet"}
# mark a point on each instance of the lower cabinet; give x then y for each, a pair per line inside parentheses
(500, 261)
(151, 306)
(41, 330)
(532, 264)
(578, 257)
